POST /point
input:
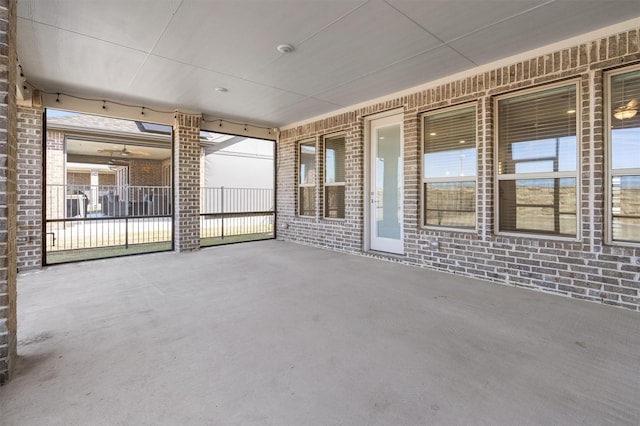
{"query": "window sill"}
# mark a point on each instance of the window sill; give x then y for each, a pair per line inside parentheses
(625, 244)
(335, 219)
(538, 237)
(449, 229)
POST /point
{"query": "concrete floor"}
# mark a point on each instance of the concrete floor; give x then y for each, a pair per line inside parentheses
(272, 333)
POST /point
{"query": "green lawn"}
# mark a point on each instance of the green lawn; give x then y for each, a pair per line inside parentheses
(215, 241)
(64, 256)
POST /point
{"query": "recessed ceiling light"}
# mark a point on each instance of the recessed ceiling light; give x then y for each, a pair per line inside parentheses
(221, 89)
(285, 48)
(432, 134)
(571, 111)
(462, 141)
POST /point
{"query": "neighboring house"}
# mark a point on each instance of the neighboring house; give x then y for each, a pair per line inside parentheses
(110, 159)
(236, 161)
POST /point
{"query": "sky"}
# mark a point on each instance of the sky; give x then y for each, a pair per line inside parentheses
(59, 113)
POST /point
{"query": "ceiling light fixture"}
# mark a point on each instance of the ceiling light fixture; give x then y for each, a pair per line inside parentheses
(285, 48)
(627, 111)
(625, 114)
(571, 111)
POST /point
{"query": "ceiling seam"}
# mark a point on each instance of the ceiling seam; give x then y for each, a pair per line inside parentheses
(388, 66)
(83, 35)
(244, 79)
(149, 53)
(309, 37)
(444, 43)
(500, 21)
(332, 23)
(38, 58)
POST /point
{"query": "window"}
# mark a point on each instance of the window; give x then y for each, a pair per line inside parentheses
(449, 168)
(537, 162)
(334, 177)
(307, 179)
(624, 157)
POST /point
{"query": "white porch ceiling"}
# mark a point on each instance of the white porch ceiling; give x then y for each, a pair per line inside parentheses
(173, 53)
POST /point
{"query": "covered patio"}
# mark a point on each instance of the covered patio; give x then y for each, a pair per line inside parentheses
(310, 336)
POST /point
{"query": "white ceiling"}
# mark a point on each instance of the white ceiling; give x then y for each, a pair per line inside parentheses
(107, 150)
(174, 53)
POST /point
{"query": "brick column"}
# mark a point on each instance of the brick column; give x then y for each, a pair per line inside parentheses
(29, 163)
(186, 174)
(8, 147)
(56, 158)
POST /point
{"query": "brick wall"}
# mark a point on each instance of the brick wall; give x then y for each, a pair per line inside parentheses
(106, 178)
(79, 178)
(55, 177)
(145, 172)
(187, 182)
(8, 201)
(583, 269)
(29, 219)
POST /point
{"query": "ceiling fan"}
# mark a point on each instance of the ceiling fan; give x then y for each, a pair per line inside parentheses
(113, 162)
(116, 164)
(125, 152)
(626, 111)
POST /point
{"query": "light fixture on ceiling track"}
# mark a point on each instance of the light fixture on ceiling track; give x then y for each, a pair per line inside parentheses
(285, 48)
(143, 109)
(125, 152)
(115, 164)
(627, 111)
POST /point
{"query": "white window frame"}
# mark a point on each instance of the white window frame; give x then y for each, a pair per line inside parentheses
(609, 172)
(307, 185)
(424, 180)
(326, 184)
(532, 176)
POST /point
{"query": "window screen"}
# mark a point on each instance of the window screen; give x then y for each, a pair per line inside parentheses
(307, 179)
(334, 175)
(537, 162)
(449, 168)
(624, 159)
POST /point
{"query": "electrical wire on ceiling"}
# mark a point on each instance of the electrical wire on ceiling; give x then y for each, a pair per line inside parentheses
(221, 123)
(105, 103)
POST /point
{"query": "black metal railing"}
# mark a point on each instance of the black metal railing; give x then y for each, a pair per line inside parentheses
(103, 216)
(109, 217)
(99, 201)
(235, 214)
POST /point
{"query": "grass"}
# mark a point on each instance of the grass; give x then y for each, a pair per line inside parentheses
(65, 256)
(215, 241)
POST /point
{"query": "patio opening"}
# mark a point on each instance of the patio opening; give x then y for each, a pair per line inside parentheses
(108, 187)
(236, 189)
